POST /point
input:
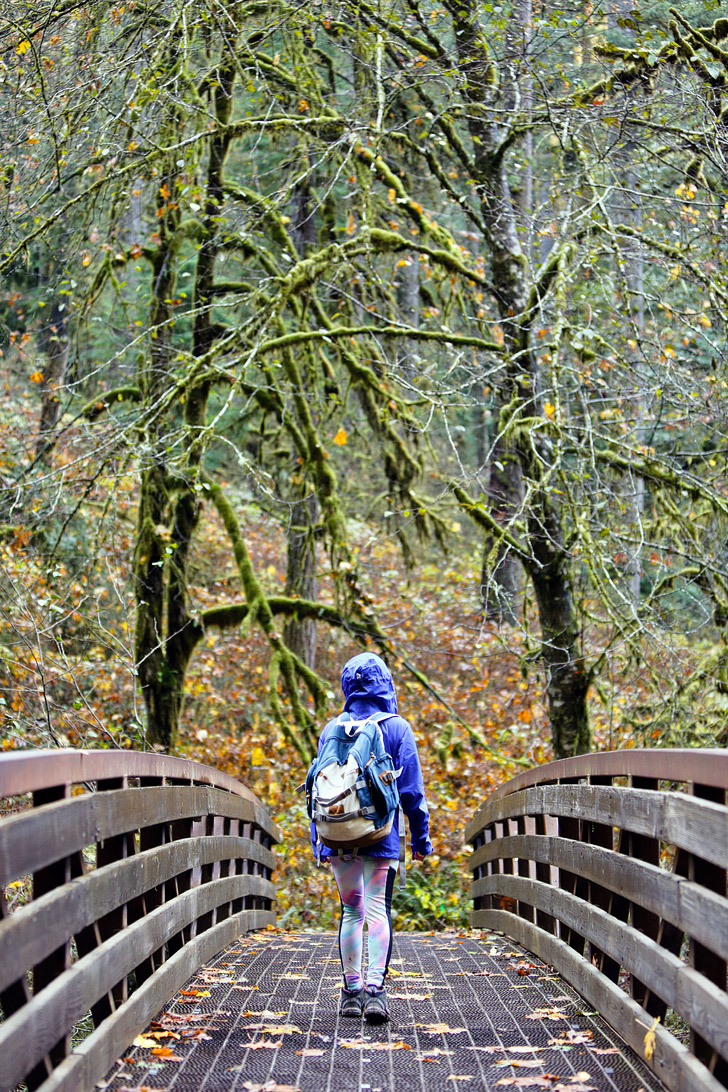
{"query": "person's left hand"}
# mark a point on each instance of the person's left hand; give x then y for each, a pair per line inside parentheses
(418, 856)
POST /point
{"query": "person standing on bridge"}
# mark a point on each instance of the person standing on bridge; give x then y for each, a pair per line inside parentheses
(365, 879)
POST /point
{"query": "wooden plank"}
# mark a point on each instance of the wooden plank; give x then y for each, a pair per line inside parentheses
(702, 1004)
(699, 826)
(35, 770)
(693, 909)
(34, 839)
(705, 766)
(31, 1031)
(672, 1062)
(97, 1053)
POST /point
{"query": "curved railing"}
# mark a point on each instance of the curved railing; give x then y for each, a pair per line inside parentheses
(140, 868)
(612, 868)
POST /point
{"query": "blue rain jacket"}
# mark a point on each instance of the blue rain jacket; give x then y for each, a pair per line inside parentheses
(369, 688)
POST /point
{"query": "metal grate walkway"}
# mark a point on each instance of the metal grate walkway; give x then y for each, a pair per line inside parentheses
(468, 1011)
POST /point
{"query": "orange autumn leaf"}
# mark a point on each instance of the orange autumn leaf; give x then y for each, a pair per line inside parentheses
(166, 1052)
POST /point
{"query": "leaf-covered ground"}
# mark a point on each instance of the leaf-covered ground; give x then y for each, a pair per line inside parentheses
(468, 1010)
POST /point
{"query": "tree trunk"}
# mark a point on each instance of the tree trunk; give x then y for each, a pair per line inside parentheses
(300, 634)
(56, 345)
(165, 532)
(502, 575)
(408, 299)
(549, 569)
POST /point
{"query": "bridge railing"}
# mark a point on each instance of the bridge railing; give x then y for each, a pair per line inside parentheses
(612, 868)
(138, 868)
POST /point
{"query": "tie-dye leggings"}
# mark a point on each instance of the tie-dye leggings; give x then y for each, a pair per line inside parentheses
(365, 888)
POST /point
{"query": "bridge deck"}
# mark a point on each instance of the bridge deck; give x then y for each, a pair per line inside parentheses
(470, 1011)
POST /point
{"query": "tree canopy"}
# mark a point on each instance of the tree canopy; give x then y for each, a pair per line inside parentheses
(449, 272)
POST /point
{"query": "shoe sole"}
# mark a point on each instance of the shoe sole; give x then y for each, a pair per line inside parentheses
(376, 1017)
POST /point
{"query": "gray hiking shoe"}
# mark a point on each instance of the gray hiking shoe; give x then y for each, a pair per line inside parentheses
(375, 1006)
(351, 1002)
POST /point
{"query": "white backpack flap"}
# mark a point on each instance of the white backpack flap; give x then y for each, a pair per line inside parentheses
(339, 817)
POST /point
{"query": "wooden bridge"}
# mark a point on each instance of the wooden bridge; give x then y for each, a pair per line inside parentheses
(148, 958)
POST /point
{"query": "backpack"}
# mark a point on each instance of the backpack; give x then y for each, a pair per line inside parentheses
(351, 786)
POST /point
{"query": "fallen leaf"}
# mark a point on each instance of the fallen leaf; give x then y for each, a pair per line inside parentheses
(195, 993)
(410, 996)
(142, 1041)
(274, 1029)
(440, 1029)
(546, 1014)
(460, 1077)
(605, 1050)
(270, 1086)
(572, 1038)
(166, 1053)
(360, 1044)
(527, 1063)
(526, 1082)
(436, 1051)
(265, 1012)
(311, 1052)
(262, 1044)
(524, 968)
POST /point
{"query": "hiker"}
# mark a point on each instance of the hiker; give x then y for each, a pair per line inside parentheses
(365, 875)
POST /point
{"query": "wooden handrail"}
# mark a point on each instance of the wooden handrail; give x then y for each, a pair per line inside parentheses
(612, 868)
(143, 867)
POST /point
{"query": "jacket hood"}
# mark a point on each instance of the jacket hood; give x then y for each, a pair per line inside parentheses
(366, 677)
